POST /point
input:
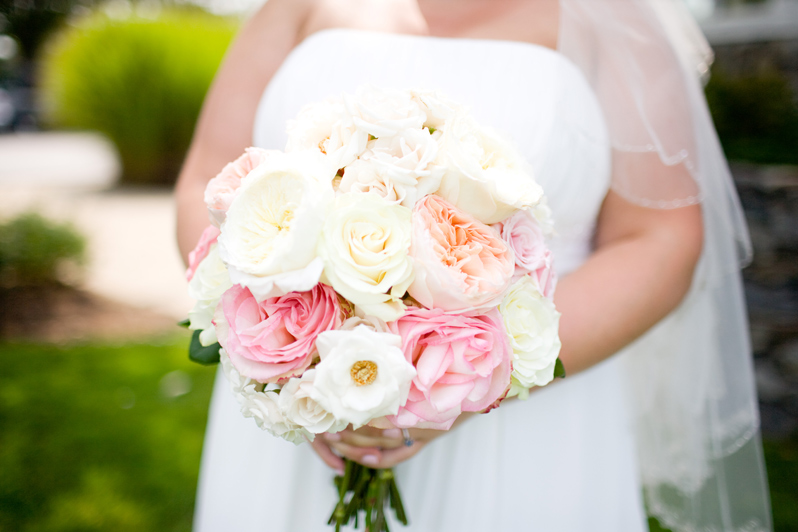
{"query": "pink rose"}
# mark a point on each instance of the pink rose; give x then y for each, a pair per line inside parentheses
(459, 262)
(545, 278)
(206, 240)
(525, 237)
(276, 338)
(463, 364)
(222, 189)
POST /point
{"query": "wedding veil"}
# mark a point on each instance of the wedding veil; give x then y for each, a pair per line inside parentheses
(691, 383)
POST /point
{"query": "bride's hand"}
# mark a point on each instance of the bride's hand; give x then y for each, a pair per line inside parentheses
(375, 448)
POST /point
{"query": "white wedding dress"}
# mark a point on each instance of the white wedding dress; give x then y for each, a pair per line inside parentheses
(562, 461)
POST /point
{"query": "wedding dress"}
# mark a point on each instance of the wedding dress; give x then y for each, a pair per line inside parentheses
(565, 459)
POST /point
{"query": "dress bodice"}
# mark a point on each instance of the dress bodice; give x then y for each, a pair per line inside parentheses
(531, 94)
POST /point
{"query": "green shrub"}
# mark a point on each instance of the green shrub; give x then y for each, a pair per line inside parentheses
(141, 82)
(756, 116)
(33, 250)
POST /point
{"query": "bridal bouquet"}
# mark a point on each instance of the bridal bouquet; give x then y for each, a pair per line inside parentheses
(388, 268)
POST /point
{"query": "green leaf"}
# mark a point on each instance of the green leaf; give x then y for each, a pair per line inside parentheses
(185, 323)
(201, 354)
(559, 370)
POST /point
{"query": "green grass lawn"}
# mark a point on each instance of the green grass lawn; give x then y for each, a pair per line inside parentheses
(108, 438)
(100, 437)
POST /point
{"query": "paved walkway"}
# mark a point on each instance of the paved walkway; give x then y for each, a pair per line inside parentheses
(133, 257)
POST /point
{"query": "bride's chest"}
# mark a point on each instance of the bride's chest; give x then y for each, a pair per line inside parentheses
(533, 95)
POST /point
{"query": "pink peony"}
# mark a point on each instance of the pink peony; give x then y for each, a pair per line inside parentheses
(463, 364)
(459, 262)
(206, 240)
(222, 189)
(275, 339)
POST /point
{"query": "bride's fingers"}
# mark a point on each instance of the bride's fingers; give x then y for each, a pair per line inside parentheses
(329, 457)
(392, 457)
(358, 439)
(367, 456)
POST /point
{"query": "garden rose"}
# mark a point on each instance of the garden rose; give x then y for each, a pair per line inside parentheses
(362, 375)
(437, 108)
(299, 408)
(223, 188)
(275, 339)
(484, 175)
(397, 168)
(384, 112)
(525, 237)
(532, 324)
(364, 246)
(459, 262)
(269, 237)
(462, 364)
(207, 287)
(327, 128)
(200, 251)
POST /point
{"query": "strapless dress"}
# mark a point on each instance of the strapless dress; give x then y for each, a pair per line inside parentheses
(562, 461)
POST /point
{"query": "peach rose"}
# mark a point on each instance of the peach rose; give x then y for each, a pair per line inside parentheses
(459, 262)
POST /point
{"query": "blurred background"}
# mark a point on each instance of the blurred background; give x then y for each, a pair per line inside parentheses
(101, 413)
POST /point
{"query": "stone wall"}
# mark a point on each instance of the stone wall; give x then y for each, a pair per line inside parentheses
(770, 199)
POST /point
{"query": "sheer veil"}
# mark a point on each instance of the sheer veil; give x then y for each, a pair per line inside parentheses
(690, 378)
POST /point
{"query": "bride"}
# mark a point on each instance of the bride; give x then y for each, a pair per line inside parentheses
(603, 99)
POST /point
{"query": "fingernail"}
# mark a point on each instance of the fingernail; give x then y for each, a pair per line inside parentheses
(331, 436)
(339, 472)
(392, 433)
(369, 459)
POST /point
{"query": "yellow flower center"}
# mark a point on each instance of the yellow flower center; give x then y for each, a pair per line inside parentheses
(363, 372)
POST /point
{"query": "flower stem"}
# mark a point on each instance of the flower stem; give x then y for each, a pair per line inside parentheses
(366, 490)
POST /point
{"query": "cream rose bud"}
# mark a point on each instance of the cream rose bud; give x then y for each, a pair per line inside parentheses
(328, 128)
(485, 176)
(364, 246)
(210, 281)
(362, 375)
(532, 324)
(300, 409)
(399, 168)
(272, 228)
(383, 112)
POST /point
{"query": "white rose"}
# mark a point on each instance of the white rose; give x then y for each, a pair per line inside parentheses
(364, 246)
(210, 281)
(299, 408)
(264, 409)
(398, 168)
(437, 108)
(484, 175)
(328, 128)
(544, 217)
(362, 375)
(532, 325)
(383, 112)
(271, 231)
(261, 405)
